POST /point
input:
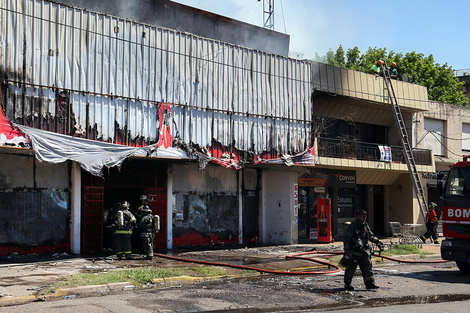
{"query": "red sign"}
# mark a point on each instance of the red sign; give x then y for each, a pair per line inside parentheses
(324, 220)
(164, 116)
(9, 135)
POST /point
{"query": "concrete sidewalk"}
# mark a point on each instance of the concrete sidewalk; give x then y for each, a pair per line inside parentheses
(23, 277)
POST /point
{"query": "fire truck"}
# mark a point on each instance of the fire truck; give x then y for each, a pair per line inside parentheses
(456, 215)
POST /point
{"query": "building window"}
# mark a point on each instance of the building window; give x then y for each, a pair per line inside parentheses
(434, 136)
(466, 137)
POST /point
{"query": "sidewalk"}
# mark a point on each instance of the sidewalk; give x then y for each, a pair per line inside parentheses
(22, 276)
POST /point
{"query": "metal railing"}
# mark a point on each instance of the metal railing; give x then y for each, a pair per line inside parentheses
(352, 149)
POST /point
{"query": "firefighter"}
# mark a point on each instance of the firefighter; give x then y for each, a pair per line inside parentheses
(356, 239)
(147, 231)
(431, 224)
(108, 220)
(377, 69)
(393, 70)
(124, 222)
(142, 210)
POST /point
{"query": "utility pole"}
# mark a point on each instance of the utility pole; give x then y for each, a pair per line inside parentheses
(268, 14)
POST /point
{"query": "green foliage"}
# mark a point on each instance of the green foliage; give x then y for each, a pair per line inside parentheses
(403, 250)
(440, 81)
(136, 276)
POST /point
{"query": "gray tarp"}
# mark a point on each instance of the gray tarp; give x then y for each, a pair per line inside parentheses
(92, 155)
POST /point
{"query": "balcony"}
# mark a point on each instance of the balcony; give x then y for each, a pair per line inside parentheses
(352, 149)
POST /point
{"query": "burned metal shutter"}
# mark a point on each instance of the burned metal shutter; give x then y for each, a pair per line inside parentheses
(92, 231)
(157, 201)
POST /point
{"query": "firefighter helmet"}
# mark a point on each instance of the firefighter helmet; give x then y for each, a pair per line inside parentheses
(143, 198)
(432, 205)
(393, 64)
(380, 62)
(146, 209)
(125, 205)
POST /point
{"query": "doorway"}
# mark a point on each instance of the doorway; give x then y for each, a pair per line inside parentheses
(128, 183)
(307, 219)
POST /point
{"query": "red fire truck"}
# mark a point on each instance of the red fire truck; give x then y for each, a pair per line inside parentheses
(456, 215)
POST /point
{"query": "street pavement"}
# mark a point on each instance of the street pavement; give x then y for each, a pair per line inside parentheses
(23, 276)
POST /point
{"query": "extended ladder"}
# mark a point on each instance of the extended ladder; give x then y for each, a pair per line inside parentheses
(410, 161)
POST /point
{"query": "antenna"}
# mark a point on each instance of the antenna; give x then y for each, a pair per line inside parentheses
(268, 14)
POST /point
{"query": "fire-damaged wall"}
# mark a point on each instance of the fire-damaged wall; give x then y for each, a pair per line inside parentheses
(100, 77)
(34, 205)
(184, 18)
(206, 205)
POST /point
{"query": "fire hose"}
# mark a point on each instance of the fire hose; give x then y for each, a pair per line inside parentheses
(301, 256)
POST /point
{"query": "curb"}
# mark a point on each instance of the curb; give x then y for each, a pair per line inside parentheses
(90, 290)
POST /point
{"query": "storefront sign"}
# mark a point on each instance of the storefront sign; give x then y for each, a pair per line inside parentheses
(319, 189)
(329, 178)
(296, 199)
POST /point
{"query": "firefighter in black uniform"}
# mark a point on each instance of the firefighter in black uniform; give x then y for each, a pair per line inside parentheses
(142, 210)
(147, 231)
(108, 219)
(124, 222)
(356, 244)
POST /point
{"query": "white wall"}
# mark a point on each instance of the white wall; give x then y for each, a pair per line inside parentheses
(278, 223)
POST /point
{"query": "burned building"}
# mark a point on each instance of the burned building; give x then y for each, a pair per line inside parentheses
(232, 144)
(117, 108)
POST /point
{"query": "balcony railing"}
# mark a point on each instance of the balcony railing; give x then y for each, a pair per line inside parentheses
(351, 149)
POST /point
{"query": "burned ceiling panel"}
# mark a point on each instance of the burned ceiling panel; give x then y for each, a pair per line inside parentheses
(100, 77)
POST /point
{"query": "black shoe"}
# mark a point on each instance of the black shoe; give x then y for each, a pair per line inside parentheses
(423, 239)
(372, 286)
(436, 242)
(348, 287)
(148, 258)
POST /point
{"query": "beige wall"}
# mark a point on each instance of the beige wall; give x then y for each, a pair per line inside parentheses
(400, 204)
(453, 116)
(340, 81)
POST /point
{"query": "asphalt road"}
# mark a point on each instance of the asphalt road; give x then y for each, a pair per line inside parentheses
(435, 287)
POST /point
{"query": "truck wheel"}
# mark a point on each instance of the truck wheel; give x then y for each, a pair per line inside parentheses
(464, 267)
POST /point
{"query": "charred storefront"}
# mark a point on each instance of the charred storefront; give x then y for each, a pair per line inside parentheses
(97, 108)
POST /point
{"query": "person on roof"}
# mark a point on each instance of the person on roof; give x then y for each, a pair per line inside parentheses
(377, 68)
(393, 70)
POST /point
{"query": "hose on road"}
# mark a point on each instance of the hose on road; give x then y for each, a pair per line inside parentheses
(333, 269)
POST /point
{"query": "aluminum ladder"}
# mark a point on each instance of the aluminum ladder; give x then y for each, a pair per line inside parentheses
(410, 161)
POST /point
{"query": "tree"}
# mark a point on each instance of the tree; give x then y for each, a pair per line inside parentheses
(442, 85)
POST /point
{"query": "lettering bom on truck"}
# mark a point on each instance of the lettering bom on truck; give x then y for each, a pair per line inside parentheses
(458, 213)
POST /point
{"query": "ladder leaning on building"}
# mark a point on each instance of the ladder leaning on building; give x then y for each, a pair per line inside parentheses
(410, 161)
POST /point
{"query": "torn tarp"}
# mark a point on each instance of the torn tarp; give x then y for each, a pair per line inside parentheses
(304, 158)
(92, 155)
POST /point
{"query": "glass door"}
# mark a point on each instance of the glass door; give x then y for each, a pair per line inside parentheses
(307, 220)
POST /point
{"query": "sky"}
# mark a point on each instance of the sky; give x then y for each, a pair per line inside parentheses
(316, 26)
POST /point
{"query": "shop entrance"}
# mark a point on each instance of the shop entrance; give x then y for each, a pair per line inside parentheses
(307, 220)
(134, 179)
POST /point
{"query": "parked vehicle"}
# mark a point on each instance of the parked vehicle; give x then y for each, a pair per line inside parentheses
(456, 215)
